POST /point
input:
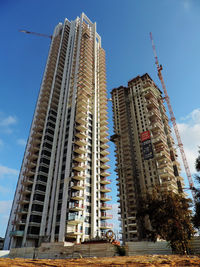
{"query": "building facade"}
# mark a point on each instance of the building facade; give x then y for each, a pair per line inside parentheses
(62, 188)
(145, 152)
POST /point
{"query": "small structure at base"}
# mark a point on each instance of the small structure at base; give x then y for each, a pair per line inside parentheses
(63, 250)
(159, 248)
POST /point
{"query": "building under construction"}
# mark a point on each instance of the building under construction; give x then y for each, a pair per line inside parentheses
(61, 193)
(145, 150)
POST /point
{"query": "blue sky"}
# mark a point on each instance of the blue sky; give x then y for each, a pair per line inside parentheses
(124, 27)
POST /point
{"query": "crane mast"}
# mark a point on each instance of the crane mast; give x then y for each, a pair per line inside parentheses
(173, 120)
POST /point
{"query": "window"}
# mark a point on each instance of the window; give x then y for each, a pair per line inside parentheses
(88, 219)
(88, 189)
(88, 209)
(87, 230)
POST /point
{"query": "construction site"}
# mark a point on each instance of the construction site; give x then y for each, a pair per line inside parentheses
(60, 215)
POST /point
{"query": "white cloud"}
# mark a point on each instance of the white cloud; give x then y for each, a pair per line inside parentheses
(5, 207)
(7, 171)
(189, 131)
(194, 116)
(21, 142)
(186, 4)
(6, 123)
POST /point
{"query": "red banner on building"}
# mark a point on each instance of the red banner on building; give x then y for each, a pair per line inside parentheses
(145, 136)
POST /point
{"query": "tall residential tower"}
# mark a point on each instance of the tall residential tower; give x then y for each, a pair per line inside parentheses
(62, 186)
(145, 152)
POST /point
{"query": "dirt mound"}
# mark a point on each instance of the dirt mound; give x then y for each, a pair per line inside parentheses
(150, 260)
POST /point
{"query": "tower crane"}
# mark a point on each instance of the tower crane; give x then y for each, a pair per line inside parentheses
(35, 33)
(173, 120)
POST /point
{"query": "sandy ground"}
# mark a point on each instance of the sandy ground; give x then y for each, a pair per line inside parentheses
(153, 260)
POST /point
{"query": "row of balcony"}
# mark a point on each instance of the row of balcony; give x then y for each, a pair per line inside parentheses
(76, 219)
(73, 234)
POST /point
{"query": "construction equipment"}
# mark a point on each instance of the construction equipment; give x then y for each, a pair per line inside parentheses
(111, 237)
(173, 120)
(38, 34)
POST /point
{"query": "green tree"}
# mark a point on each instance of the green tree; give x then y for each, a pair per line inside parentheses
(170, 219)
(196, 217)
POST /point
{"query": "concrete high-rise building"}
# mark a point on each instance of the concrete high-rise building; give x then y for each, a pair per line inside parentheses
(62, 186)
(145, 152)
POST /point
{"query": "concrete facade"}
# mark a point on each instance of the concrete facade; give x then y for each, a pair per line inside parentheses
(145, 151)
(62, 186)
(63, 250)
(158, 248)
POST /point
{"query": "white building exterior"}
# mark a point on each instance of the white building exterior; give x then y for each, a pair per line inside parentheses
(62, 186)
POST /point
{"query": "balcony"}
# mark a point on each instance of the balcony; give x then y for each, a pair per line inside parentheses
(154, 115)
(76, 207)
(25, 191)
(75, 219)
(78, 176)
(79, 167)
(77, 196)
(105, 189)
(104, 146)
(81, 108)
(32, 156)
(81, 135)
(103, 112)
(105, 216)
(106, 207)
(103, 100)
(106, 225)
(23, 211)
(163, 164)
(17, 233)
(80, 159)
(81, 115)
(79, 150)
(103, 128)
(81, 102)
(80, 120)
(104, 152)
(105, 174)
(105, 181)
(27, 181)
(148, 93)
(28, 172)
(164, 174)
(23, 200)
(77, 185)
(104, 159)
(103, 121)
(105, 167)
(81, 128)
(74, 234)
(156, 126)
(104, 134)
(80, 142)
(152, 104)
(104, 197)
(104, 140)
(158, 140)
